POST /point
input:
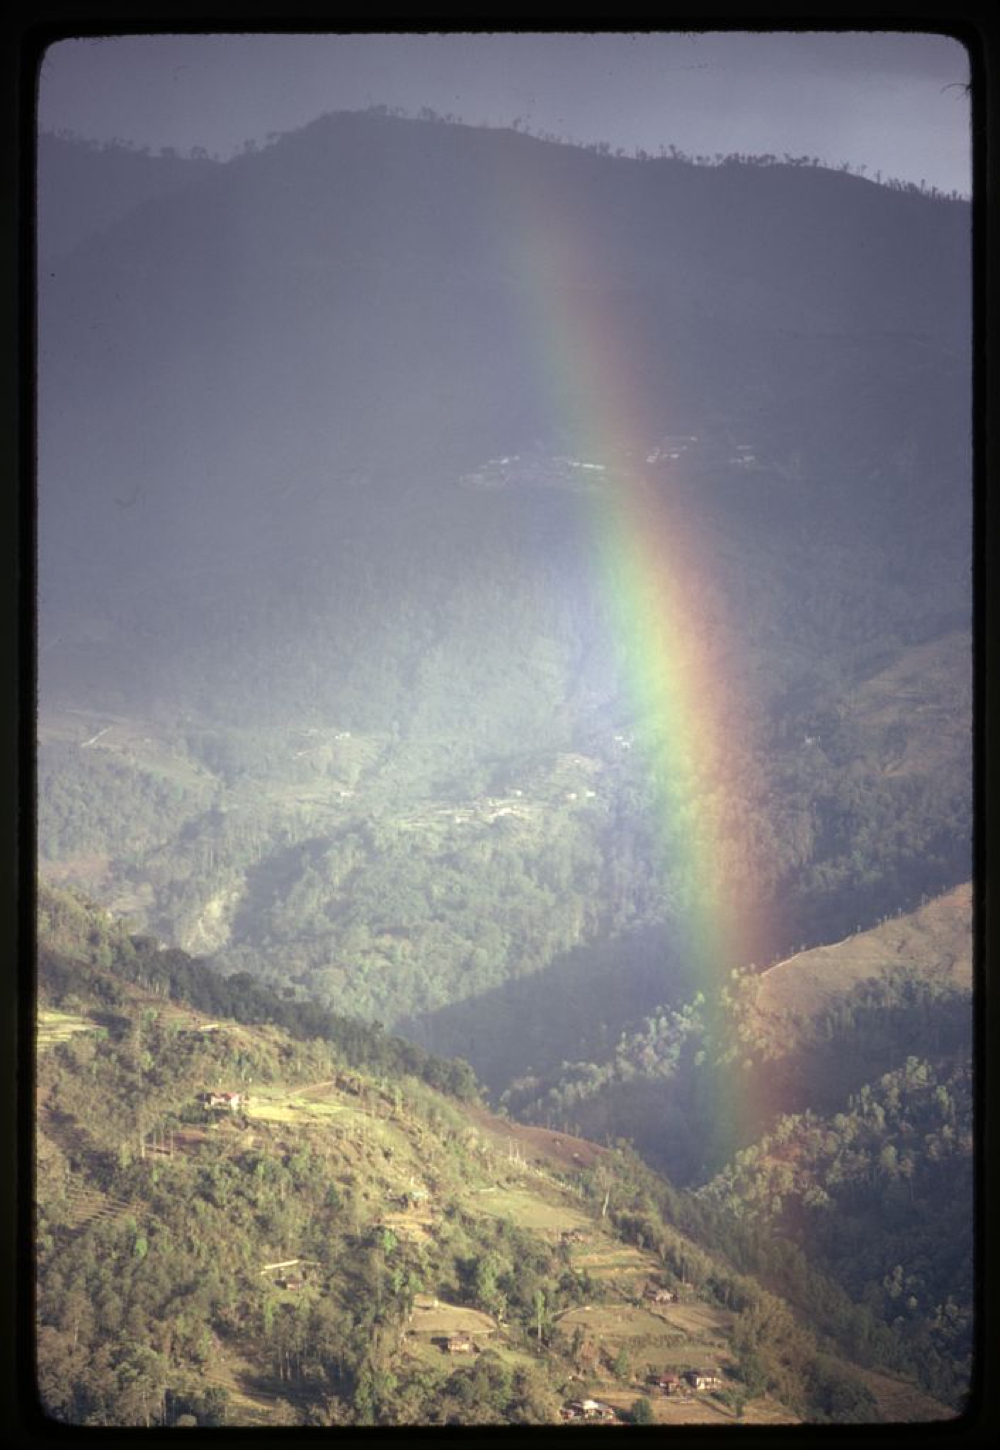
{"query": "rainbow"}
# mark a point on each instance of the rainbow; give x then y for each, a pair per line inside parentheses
(654, 565)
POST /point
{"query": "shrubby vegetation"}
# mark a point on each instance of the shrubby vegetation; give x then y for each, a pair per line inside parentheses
(74, 937)
(143, 1295)
(857, 1207)
(399, 878)
(368, 739)
(879, 1198)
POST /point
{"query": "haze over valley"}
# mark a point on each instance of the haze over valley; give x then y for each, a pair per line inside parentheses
(519, 596)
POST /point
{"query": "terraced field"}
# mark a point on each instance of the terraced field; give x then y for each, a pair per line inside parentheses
(434, 1317)
(88, 1205)
(53, 1027)
(273, 1103)
(546, 1213)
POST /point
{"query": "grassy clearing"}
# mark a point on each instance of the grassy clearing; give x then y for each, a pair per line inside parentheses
(434, 1317)
(613, 1260)
(53, 1027)
(693, 1410)
(699, 1320)
(560, 1151)
(617, 1324)
(899, 1401)
(274, 1103)
(234, 1374)
(529, 1210)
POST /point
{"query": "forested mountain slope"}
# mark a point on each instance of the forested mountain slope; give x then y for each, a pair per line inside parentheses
(801, 1036)
(509, 596)
(333, 682)
(852, 1068)
(245, 1224)
(256, 368)
(83, 188)
(516, 909)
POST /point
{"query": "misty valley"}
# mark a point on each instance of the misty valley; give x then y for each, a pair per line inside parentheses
(504, 787)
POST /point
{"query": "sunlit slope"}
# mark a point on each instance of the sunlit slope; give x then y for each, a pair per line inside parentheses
(932, 944)
(805, 1035)
(368, 864)
(301, 1256)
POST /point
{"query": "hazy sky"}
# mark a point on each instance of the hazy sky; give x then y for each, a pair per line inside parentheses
(893, 102)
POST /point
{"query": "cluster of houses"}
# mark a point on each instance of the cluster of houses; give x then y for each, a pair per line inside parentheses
(671, 447)
(289, 1273)
(578, 475)
(233, 1101)
(536, 470)
(657, 1295)
(457, 1344)
(410, 1198)
(711, 453)
(669, 1383)
(593, 1410)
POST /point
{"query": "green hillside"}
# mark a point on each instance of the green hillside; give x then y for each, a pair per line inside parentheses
(504, 785)
(803, 1034)
(854, 1152)
(301, 1255)
(457, 891)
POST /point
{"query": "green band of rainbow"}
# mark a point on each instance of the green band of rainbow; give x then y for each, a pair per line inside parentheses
(653, 559)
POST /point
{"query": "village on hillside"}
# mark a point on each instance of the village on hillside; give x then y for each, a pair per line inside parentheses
(718, 452)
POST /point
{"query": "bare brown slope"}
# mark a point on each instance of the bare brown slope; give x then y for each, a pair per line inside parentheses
(934, 943)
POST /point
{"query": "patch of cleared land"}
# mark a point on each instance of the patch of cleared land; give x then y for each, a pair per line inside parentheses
(691, 1409)
(901, 1401)
(52, 1027)
(276, 1104)
(615, 1323)
(652, 1341)
(542, 1146)
(699, 1320)
(549, 1215)
(137, 741)
(434, 1317)
(933, 943)
(611, 1259)
(91, 870)
(701, 1409)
